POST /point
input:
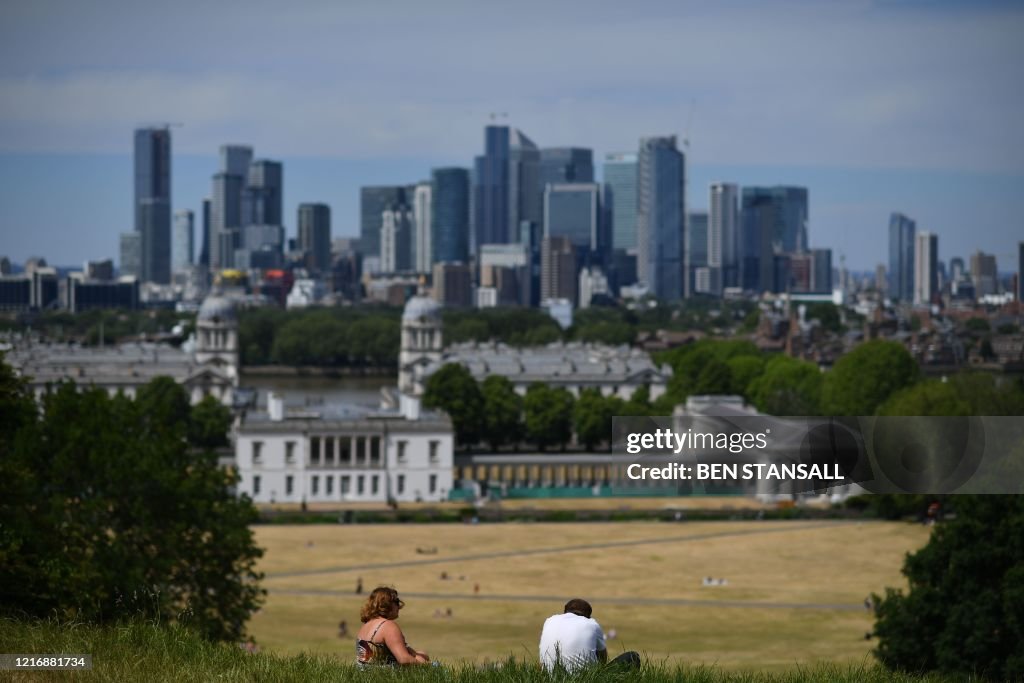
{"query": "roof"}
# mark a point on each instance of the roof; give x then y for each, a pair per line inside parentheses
(420, 308)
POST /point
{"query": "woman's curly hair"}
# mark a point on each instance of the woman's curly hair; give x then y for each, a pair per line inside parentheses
(381, 602)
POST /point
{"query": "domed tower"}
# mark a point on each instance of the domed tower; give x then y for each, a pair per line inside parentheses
(421, 342)
(216, 349)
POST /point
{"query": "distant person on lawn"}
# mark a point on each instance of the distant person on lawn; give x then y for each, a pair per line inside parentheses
(572, 640)
(380, 641)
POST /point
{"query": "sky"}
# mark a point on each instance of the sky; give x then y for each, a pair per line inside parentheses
(902, 105)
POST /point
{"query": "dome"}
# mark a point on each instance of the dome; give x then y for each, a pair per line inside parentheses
(421, 307)
(218, 309)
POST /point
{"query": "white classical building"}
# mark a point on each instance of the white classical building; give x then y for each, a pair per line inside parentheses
(421, 344)
(205, 366)
(341, 453)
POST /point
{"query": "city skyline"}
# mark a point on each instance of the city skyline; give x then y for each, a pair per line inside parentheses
(930, 134)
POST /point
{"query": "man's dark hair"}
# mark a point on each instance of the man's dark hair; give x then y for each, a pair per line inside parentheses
(579, 607)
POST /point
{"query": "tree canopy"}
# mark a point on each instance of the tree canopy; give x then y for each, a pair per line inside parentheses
(453, 390)
(863, 379)
(108, 512)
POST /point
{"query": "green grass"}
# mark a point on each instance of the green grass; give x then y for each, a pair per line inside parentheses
(149, 652)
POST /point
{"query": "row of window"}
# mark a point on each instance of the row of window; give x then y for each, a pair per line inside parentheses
(366, 450)
(345, 484)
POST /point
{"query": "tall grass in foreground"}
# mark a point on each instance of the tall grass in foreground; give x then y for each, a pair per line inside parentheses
(148, 652)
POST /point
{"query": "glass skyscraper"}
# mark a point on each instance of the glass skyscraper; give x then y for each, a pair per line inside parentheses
(901, 257)
(573, 210)
(491, 210)
(450, 214)
(372, 202)
(315, 235)
(153, 202)
(620, 197)
(184, 237)
(774, 221)
(696, 247)
(566, 165)
(661, 217)
(263, 196)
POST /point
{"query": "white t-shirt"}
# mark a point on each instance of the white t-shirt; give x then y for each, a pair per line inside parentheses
(572, 639)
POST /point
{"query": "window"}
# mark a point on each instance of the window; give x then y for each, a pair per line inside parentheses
(345, 450)
(314, 450)
(314, 485)
(400, 483)
(433, 483)
(360, 450)
(257, 452)
(435, 447)
(289, 452)
(329, 484)
(374, 450)
(401, 450)
(256, 485)
(360, 485)
(374, 484)
(328, 450)
(345, 485)
(289, 483)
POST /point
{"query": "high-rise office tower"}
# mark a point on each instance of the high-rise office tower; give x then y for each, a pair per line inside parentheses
(423, 234)
(984, 273)
(558, 277)
(697, 252)
(263, 195)
(881, 278)
(956, 269)
(723, 234)
(131, 254)
(235, 159)
(315, 235)
(184, 237)
(396, 239)
(661, 216)
(204, 242)
(901, 257)
(926, 269)
(573, 210)
(153, 202)
(620, 174)
(560, 165)
(225, 219)
(372, 202)
(525, 192)
(821, 277)
(453, 284)
(449, 222)
(491, 189)
(773, 221)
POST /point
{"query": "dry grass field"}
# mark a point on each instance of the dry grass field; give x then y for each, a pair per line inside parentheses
(794, 595)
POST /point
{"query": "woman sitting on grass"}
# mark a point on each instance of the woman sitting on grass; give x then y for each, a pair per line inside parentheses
(380, 641)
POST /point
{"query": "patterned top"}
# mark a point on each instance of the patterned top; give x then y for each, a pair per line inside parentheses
(369, 653)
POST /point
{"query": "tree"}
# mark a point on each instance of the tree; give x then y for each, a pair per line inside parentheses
(502, 412)
(787, 386)
(714, 378)
(453, 390)
(928, 398)
(863, 379)
(964, 610)
(548, 415)
(744, 370)
(592, 417)
(106, 515)
(826, 313)
(209, 424)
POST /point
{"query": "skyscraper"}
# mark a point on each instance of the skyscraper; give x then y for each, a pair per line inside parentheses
(773, 222)
(620, 174)
(901, 257)
(422, 211)
(184, 237)
(723, 235)
(130, 261)
(225, 219)
(315, 235)
(558, 278)
(821, 278)
(372, 202)
(697, 251)
(573, 210)
(525, 191)
(450, 214)
(491, 189)
(926, 270)
(204, 243)
(661, 216)
(984, 273)
(560, 165)
(263, 195)
(396, 242)
(235, 159)
(153, 202)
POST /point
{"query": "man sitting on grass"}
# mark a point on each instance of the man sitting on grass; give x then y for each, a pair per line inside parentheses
(573, 640)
